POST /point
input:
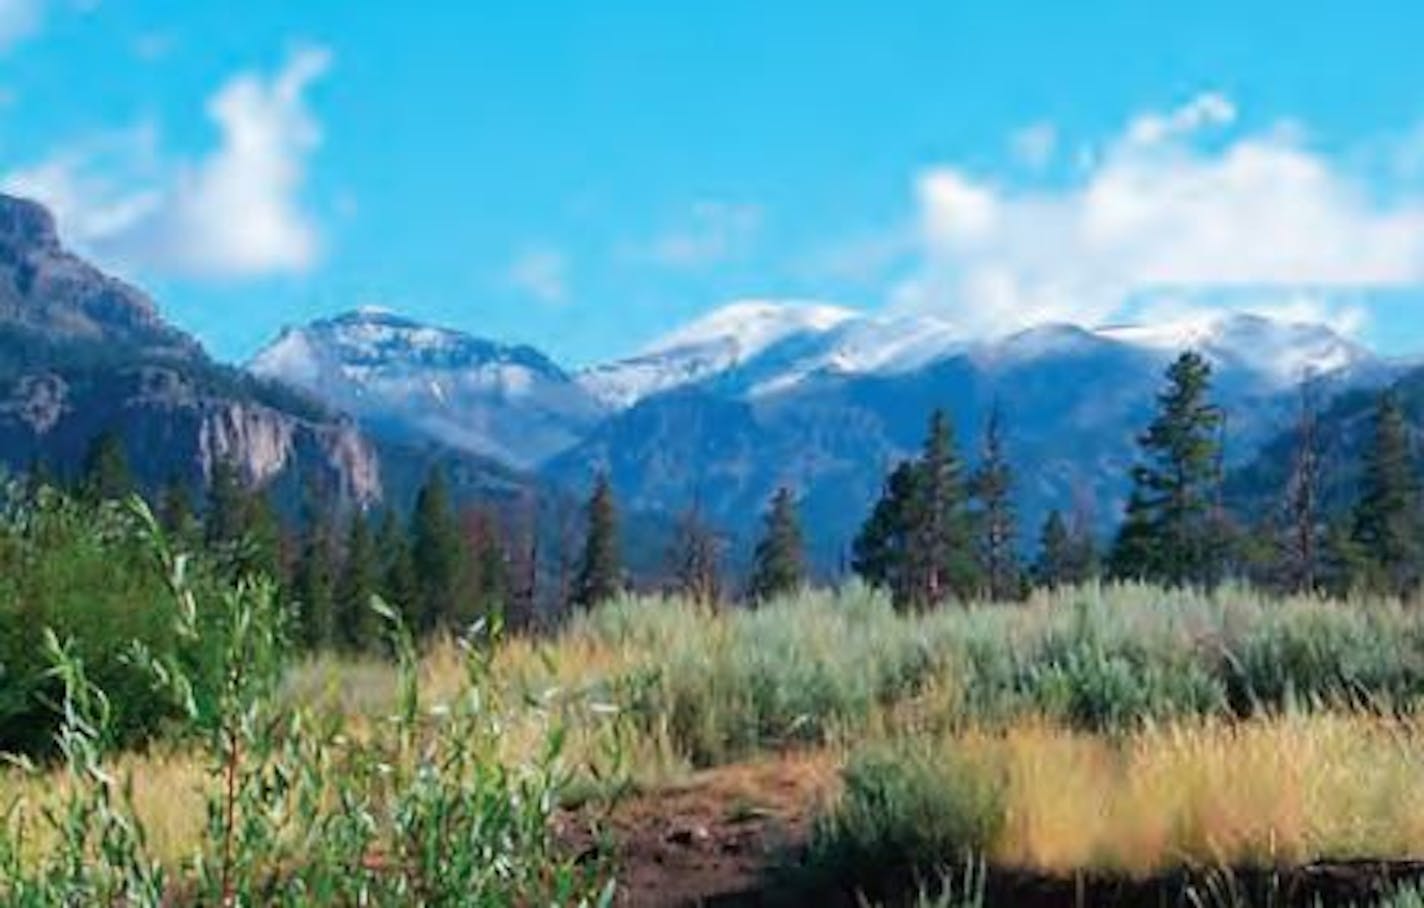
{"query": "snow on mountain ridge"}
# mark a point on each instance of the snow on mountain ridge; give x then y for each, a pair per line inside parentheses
(508, 402)
(760, 348)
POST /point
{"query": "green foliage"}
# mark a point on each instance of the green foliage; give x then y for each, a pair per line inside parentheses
(779, 562)
(996, 524)
(106, 468)
(436, 556)
(905, 806)
(600, 570)
(1389, 524)
(359, 581)
(1170, 534)
(86, 572)
(1066, 557)
(315, 582)
(398, 582)
(420, 809)
(917, 542)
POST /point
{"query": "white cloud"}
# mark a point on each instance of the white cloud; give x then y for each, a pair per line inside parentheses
(542, 273)
(1034, 145)
(715, 231)
(233, 213)
(1154, 211)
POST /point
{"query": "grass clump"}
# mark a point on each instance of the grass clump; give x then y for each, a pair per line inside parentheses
(909, 807)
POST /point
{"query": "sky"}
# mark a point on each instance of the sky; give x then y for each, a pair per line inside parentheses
(588, 176)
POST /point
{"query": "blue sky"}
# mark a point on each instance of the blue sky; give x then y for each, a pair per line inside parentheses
(586, 176)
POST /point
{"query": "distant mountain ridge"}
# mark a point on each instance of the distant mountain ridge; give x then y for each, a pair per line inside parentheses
(818, 397)
(403, 378)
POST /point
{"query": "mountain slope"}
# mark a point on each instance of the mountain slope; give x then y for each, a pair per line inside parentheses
(413, 381)
(82, 353)
(830, 426)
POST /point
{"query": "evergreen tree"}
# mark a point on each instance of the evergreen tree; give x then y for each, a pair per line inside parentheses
(522, 598)
(398, 585)
(1135, 552)
(880, 554)
(1055, 552)
(489, 580)
(226, 513)
(779, 563)
(1387, 518)
(1170, 532)
(695, 558)
(997, 524)
(1344, 563)
(261, 548)
(241, 524)
(599, 577)
(1301, 543)
(106, 468)
(357, 625)
(1083, 563)
(437, 556)
(942, 559)
(315, 580)
(175, 512)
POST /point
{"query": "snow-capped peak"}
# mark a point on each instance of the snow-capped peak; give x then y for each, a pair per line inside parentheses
(1278, 350)
(750, 326)
(505, 401)
(716, 343)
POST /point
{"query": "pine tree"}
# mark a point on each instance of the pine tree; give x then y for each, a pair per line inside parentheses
(880, 554)
(437, 556)
(1055, 552)
(779, 563)
(357, 625)
(599, 577)
(1083, 563)
(1344, 563)
(1169, 534)
(1387, 519)
(225, 519)
(398, 585)
(942, 560)
(1135, 552)
(1301, 543)
(522, 598)
(106, 468)
(695, 558)
(315, 580)
(260, 552)
(997, 524)
(175, 512)
(489, 567)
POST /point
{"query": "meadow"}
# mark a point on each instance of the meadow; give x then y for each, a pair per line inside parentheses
(1121, 731)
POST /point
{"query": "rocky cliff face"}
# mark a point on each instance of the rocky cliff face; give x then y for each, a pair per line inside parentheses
(176, 429)
(83, 353)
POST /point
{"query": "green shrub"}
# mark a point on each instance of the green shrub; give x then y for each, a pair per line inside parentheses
(908, 807)
(88, 573)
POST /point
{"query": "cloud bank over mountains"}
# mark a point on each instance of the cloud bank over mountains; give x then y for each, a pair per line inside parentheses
(1174, 207)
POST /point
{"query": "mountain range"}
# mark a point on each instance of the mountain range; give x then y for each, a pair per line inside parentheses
(716, 415)
(817, 397)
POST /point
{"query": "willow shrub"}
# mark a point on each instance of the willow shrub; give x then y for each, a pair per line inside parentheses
(301, 810)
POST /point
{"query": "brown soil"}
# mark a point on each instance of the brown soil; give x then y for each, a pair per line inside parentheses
(715, 837)
(727, 836)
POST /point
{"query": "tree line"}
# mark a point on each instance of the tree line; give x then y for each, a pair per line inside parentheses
(942, 529)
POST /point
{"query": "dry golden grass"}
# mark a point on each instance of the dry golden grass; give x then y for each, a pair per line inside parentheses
(1266, 791)
(168, 796)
